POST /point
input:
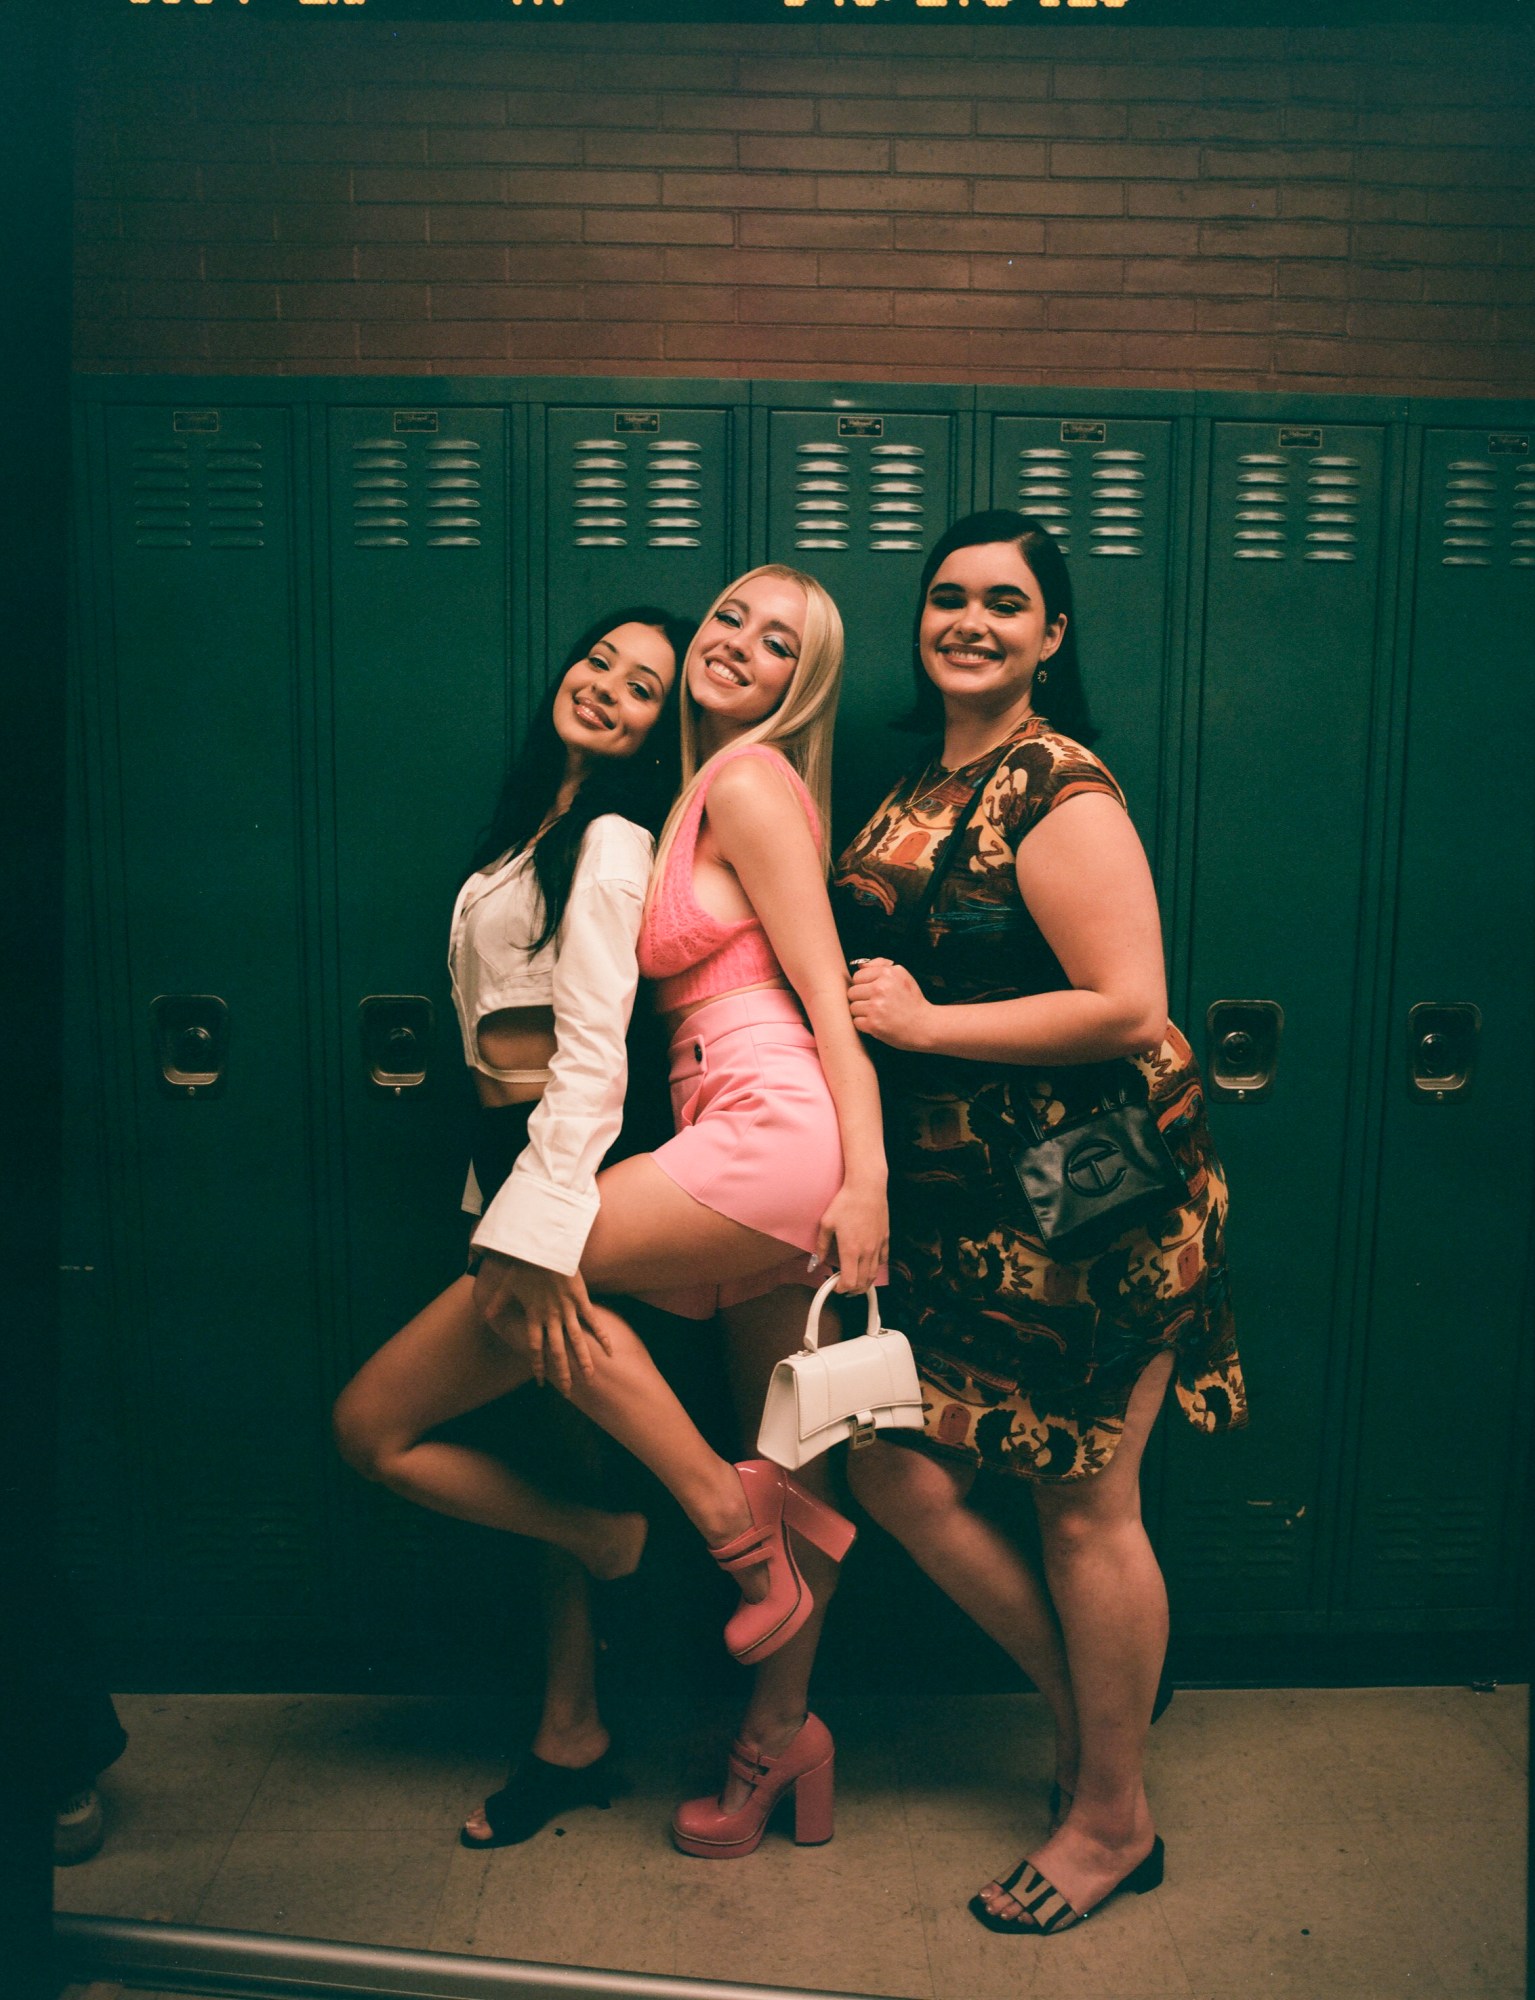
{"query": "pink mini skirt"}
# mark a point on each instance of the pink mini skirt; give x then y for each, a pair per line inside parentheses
(757, 1137)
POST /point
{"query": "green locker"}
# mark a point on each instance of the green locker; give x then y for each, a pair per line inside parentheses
(198, 746)
(1434, 1512)
(1110, 487)
(417, 614)
(854, 490)
(637, 501)
(1295, 621)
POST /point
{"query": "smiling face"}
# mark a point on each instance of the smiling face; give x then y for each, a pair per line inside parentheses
(610, 698)
(741, 663)
(984, 630)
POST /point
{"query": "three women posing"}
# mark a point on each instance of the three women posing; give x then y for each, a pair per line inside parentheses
(777, 1165)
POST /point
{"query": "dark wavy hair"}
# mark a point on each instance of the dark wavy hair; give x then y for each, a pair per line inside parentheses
(641, 787)
(1061, 699)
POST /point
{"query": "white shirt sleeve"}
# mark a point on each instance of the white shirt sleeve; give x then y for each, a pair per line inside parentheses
(546, 1207)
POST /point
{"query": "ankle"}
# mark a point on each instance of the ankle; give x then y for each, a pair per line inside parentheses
(771, 1729)
(721, 1511)
(571, 1744)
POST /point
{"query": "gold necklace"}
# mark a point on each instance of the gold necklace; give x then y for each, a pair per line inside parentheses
(917, 804)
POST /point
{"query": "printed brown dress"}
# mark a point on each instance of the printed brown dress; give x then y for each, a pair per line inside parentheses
(1027, 1363)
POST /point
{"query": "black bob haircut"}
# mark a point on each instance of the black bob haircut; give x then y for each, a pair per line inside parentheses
(640, 787)
(1059, 697)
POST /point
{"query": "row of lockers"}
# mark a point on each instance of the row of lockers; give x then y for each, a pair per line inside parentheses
(311, 617)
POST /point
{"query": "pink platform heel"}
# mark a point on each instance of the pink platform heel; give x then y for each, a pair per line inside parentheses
(777, 1502)
(701, 1827)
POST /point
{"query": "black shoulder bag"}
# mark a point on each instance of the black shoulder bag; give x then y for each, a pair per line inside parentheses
(1087, 1181)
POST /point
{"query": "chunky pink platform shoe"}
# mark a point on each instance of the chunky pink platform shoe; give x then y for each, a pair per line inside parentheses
(699, 1826)
(777, 1502)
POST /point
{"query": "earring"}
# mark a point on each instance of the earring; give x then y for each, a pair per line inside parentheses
(1041, 675)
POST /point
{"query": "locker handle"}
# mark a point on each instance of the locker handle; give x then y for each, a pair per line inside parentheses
(1442, 1038)
(190, 1037)
(1242, 1047)
(396, 1033)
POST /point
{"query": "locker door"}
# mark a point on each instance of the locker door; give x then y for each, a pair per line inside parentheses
(1105, 489)
(1442, 1434)
(637, 507)
(199, 756)
(856, 500)
(1292, 600)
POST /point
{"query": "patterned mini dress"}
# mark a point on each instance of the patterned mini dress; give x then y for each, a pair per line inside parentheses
(1027, 1363)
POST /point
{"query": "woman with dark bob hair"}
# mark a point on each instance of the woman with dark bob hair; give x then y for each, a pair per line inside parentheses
(1008, 955)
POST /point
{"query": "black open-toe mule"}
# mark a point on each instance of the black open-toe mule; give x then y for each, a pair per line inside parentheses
(1046, 1910)
(535, 1793)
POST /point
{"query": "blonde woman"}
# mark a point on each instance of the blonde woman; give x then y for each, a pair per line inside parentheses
(778, 1164)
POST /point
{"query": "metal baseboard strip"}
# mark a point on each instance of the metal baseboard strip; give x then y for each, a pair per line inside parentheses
(187, 1958)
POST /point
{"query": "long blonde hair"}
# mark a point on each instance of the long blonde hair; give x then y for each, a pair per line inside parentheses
(801, 725)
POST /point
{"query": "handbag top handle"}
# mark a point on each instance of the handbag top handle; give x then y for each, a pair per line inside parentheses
(813, 1323)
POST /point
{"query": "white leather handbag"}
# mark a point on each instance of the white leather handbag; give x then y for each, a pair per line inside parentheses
(852, 1389)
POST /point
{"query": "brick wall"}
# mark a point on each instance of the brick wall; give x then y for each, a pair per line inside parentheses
(1168, 208)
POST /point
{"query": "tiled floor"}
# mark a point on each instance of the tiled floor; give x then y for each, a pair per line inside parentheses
(1360, 1844)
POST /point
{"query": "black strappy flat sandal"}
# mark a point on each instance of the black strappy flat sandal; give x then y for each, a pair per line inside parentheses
(536, 1793)
(1046, 1910)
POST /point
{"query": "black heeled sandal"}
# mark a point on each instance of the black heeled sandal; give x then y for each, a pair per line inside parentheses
(536, 1793)
(1046, 1910)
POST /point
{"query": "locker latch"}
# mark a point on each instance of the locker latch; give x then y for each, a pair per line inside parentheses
(190, 1035)
(1242, 1047)
(1441, 1045)
(396, 1039)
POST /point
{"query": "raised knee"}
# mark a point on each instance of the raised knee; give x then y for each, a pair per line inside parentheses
(889, 1485)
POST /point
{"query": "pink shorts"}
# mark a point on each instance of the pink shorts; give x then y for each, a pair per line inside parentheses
(757, 1136)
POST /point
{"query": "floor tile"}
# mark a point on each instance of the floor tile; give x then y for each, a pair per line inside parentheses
(350, 1763)
(1421, 1754)
(193, 1761)
(156, 1874)
(363, 1886)
(1231, 1759)
(1505, 1716)
(1471, 1894)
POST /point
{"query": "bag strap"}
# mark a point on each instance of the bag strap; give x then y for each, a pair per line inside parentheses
(813, 1323)
(943, 861)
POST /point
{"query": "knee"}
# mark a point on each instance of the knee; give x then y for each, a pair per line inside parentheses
(1073, 1522)
(903, 1492)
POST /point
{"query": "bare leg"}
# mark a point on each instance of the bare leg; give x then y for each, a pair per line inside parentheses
(921, 1501)
(1112, 1604)
(444, 1363)
(760, 1333)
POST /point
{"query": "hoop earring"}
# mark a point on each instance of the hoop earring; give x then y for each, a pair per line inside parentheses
(1041, 675)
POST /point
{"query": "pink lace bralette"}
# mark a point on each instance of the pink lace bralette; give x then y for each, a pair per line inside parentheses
(693, 954)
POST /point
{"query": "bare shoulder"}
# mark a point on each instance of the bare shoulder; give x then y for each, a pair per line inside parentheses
(755, 783)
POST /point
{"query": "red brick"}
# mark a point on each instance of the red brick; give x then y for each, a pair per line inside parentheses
(1039, 273)
(1419, 321)
(814, 306)
(1476, 284)
(112, 258)
(584, 110)
(1110, 81)
(659, 302)
(1313, 124)
(495, 223)
(1199, 352)
(1246, 82)
(739, 190)
(662, 149)
(110, 344)
(1485, 206)
(1127, 237)
(586, 263)
(1446, 166)
(983, 76)
(388, 105)
(1329, 316)
(281, 340)
(848, 348)
(894, 115)
(1135, 315)
(1316, 201)
(1199, 198)
(901, 270)
(662, 225)
(892, 191)
(496, 145)
(829, 156)
(1127, 162)
(1204, 121)
(1236, 315)
(1385, 281)
(991, 235)
(592, 188)
(1272, 163)
(1053, 120)
(442, 340)
(741, 267)
(818, 232)
(1048, 198)
(257, 182)
(512, 300)
(1205, 276)
(1390, 204)
(1273, 239)
(340, 222)
(970, 156)
(623, 340)
(817, 79)
(1099, 353)
(364, 145)
(735, 113)
(1374, 241)
(675, 72)
(196, 221)
(359, 302)
(423, 184)
(432, 263)
(158, 299)
(974, 309)
(1310, 281)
